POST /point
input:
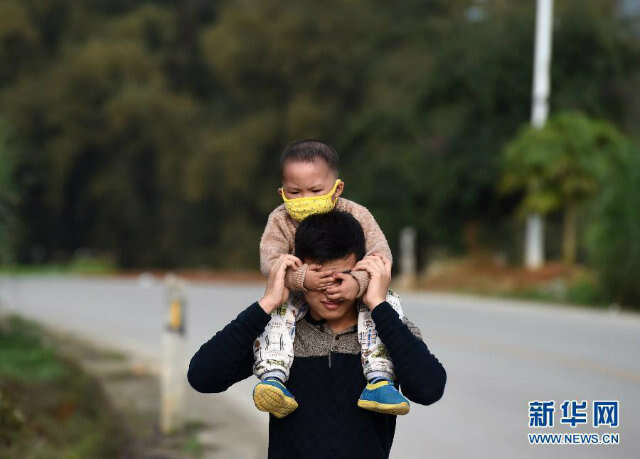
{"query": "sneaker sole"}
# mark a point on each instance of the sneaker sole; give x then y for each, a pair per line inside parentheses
(272, 400)
(398, 409)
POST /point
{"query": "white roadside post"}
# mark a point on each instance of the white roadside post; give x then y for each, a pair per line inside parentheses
(534, 236)
(173, 369)
(408, 257)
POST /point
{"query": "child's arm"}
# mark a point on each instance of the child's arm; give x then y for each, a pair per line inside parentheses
(375, 241)
(277, 240)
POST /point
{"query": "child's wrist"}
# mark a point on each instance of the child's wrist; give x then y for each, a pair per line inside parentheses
(362, 289)
(298, 279)
(357, 286)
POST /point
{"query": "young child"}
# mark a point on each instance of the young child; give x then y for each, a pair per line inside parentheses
(310, 185)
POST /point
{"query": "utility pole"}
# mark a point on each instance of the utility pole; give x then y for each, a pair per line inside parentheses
(534, 238)
(408, 257)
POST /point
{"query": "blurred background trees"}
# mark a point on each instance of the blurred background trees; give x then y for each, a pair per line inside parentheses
(561, 167)
(149, 131)
(9, 199)
(613, 236)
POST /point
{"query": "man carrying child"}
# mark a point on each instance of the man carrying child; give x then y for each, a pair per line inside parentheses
(325, 375)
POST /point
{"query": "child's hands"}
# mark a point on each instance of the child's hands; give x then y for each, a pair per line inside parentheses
(276, 293)
(345, 288)
(314, 279)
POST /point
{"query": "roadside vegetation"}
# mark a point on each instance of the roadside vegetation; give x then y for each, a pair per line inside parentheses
(61, 397)
(486, 276)
(77, 265)
(49, 406)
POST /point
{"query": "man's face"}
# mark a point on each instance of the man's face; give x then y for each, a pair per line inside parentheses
(323, 308)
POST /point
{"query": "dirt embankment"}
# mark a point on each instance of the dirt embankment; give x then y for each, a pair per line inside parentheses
(60, 396)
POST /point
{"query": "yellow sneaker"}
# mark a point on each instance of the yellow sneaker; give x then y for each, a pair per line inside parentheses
(272, 396)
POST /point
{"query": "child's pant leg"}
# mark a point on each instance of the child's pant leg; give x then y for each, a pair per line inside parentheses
(273, 349)
(376, 362)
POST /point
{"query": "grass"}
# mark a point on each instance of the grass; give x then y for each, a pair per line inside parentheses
(584, 292)
(79, 265)
(192, 445)
(49, 407)
(553, 283)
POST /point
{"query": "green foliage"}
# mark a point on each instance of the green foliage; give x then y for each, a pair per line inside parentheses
(9, 199)
(563, 163)
(614, 234)
(49, 407)
(586, 291)
(561, 166)
(24, 357)
(150, 130)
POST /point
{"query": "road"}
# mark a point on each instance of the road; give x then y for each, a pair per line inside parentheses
(498, 355)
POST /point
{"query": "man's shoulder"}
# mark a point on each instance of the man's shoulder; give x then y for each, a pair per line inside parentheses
(355, 209)
(394, 300)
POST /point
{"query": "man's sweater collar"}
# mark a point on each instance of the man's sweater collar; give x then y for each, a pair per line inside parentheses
(321, 324)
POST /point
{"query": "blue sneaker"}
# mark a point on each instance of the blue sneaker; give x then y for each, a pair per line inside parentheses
(383, 397)
(272, 396)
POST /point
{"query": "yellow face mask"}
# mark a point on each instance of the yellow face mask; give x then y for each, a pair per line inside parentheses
(301, 208)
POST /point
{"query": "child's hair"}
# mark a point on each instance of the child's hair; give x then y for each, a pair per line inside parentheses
(329, 236)
(309, 150)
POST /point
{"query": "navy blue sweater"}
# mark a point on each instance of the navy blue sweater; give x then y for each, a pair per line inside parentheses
(326, 379)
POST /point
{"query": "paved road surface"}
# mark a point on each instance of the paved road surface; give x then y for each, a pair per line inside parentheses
(498, 355)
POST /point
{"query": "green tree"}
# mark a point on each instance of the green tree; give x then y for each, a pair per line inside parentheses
(107, 138)
(561, 166)
(9, 198)
(151, 129)
(613, 236)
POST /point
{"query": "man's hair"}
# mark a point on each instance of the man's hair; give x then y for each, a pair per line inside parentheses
(329, 236)
(310, 150)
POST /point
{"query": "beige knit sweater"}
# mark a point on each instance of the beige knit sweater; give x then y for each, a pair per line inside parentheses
(279, 237)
